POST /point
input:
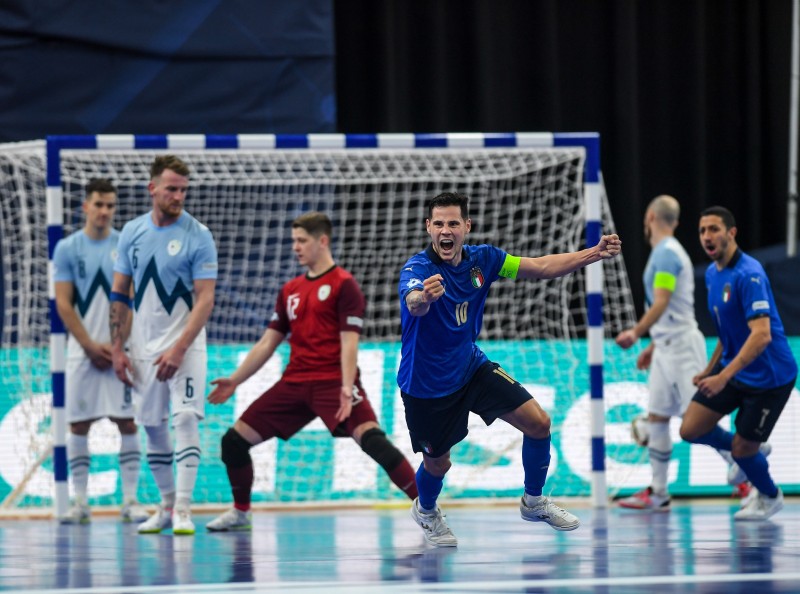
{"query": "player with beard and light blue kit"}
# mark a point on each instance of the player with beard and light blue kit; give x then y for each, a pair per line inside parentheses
(171, 260)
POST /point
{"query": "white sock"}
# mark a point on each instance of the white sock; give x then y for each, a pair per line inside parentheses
(187, 454)
(159, 459)
(78, 453)
(130, 464)
(532, 500)
(659, 447)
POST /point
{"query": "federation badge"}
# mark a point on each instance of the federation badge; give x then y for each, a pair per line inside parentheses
(173, 247)
(324, 292)
(476, 277)
(726, 292)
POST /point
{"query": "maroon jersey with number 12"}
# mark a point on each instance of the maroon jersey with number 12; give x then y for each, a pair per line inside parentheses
(313, 311)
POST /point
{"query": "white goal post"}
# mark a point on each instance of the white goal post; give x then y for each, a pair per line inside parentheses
(531, 194)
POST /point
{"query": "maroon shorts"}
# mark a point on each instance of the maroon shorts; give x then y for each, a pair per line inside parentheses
(286, 408)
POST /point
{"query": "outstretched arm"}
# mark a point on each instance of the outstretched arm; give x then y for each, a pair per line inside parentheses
(557, 265)
(262, 351)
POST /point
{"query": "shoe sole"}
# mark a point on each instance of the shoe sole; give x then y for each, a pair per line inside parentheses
(645, 509)
(154, 530)
(184, 532)
(247, 528)
(566, 528)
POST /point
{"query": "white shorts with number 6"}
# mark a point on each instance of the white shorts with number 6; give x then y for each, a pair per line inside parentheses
(184, 391)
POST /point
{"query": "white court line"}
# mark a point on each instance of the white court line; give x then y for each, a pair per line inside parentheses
(415, 587)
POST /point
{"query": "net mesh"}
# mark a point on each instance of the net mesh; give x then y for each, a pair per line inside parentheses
(527, 201)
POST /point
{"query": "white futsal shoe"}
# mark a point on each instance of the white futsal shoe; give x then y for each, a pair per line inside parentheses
(736, 475)
(231, 520)
(760, 507)
(434, 526)
(160, 520)
(182, 521)
(133, 513)
(541, 509)
(79, 513)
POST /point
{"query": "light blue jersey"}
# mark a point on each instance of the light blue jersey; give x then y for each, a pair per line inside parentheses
(669, 267)
(439, 354)
(89, 265)
(164, 262)
(737, 294)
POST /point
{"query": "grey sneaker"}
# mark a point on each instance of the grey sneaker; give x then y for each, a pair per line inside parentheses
(434, 527)
(547, 511)
(760, 507)
(133, 513)
(159, 521)
(233, 519)
(79, 513)
(736, 475)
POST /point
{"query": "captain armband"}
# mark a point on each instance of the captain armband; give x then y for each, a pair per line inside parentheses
(120, 298)
(665, 280)
(510, 267)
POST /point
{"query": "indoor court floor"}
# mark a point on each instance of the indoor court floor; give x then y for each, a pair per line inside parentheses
(696, 547)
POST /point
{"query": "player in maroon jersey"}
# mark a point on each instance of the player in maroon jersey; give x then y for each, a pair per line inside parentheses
(322, 311)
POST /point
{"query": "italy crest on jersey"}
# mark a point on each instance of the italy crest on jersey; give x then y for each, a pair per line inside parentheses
(726, 292)
(476, 277)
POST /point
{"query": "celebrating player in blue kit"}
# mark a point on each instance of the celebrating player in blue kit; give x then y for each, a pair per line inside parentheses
(752, 368)
(83, 269)
(444, 375)
(172, 261)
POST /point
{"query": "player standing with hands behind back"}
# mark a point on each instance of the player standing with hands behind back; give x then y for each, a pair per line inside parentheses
(172, 261)
(443, 374)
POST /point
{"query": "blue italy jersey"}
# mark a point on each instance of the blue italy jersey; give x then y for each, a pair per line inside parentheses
(89, 265)
(439, 354)
(737, 294)
(164, 262)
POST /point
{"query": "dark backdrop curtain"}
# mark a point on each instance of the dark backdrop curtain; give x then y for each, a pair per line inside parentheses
(691, 98)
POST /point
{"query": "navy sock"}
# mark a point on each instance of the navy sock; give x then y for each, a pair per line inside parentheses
(717, 438)
(535, 462)
(757, 470)
(429, 487)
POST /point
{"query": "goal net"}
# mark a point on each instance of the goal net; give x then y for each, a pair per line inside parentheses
(529, 201)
